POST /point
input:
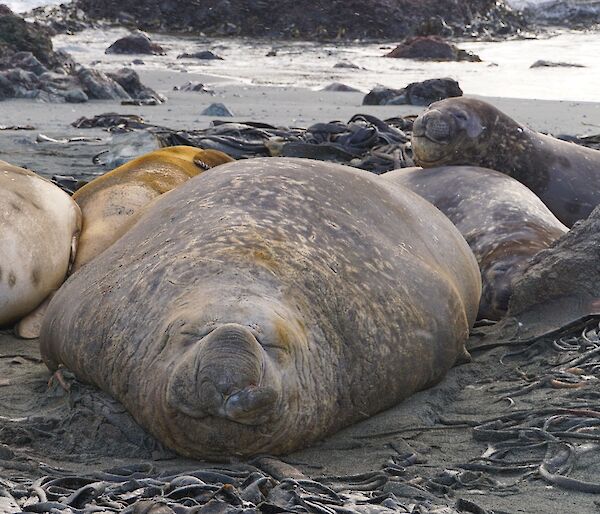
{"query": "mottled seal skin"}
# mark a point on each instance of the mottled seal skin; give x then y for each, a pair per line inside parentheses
(266, 304)
(39, 226)
(465, 131)
(504, 223)
(111, 203)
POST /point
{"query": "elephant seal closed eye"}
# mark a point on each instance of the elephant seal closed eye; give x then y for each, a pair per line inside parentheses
(266, 304)
(111, 203)
(39, 227)
(504, 223)
(470, 132)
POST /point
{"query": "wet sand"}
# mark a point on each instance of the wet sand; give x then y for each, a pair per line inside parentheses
(85, 430)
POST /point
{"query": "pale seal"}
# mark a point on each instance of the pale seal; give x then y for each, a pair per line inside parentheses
(504, 223)
(111, 203)
(466, 131)
(39, 226)
(266, 304)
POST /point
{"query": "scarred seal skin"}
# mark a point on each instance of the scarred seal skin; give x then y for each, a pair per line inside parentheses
(466, 131)
(111, 203)
(504, 223)
(266, 304)
(39, 226)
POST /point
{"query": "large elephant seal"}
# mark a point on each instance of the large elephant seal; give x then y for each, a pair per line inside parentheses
(504, 223)
(465, 131)
(111, 203)
(266, 304)
(39, 226)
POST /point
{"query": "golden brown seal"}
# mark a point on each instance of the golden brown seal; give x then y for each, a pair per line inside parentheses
(111, 203)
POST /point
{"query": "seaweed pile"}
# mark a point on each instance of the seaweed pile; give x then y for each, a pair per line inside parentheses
(364, 142)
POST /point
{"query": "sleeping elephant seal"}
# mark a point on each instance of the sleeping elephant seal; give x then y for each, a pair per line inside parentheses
(266, 304)
(111, 203)
(465, 131)
(504, 223)
(39, 226)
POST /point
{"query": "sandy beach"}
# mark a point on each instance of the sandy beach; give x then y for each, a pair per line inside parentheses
(84, 430)
(281, 106)
(514, 430)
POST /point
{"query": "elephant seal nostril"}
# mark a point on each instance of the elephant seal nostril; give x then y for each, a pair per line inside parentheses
(438, 130)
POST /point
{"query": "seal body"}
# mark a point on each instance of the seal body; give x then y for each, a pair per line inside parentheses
(266, 304)
(503, 222)
(466, 131)
(39, 226)
(111, 203)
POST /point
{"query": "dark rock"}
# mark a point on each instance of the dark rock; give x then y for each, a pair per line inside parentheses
(342, 88)
(76, 96)
(204, 55)
(431, 90)
(570, 268)
(99, 86)
(310, 19)
(348, 65)
(559, 287)
(139, 62)
(416, 93)
(380, 95)
(135, 43)
(435, 26)
(217, 109)
(17, 35)
(129, 80)
(194, 87)
(431, 48)
(551, 64)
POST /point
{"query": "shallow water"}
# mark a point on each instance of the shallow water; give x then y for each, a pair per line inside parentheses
(505, 70)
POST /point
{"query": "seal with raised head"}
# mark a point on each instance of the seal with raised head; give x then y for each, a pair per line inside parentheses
(504, 223)
(111, 203)
(39, 226)
(470, 132)
(266, 304)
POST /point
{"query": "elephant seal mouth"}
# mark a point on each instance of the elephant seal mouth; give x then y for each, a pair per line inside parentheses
(227, 374)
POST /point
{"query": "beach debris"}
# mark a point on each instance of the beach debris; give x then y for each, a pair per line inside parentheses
(194, 87)
(264, 485)
(137, 42)
(416, 93)
(111, 120)
(42, 138)
(341, 88)
(17, 127)
(431, 48)
(125, 147)
(68, 184)
(591, 140)
(555, 64)
(217, 109)
(203, 55)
